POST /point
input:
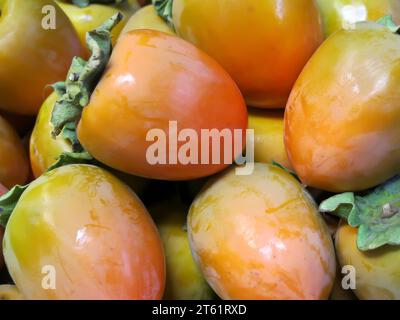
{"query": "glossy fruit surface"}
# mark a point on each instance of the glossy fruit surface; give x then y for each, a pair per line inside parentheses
(184, 280)
(33, 56)
(81, 231)
(377, 271)
(147, 18)
(146, 86)
(341, 121)
(338, 14)
(14, 163)
(254, 41)
(261, 237)
(268, 134)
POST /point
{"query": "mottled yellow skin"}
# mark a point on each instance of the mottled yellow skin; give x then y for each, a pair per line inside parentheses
(32, 57)
(92, 229)
(147, 18)
(43, 148)
(377, 271)
(10, 292)
(268, 134)
(89, 18)
(338, 14)
(261, 237)
(184, 280)
(14, 163)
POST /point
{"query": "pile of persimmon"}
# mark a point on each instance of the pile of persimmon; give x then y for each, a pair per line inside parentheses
(195, 149)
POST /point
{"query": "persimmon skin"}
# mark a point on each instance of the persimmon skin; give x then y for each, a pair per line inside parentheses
(184, 280)
(147, 18)
(341, 120)
(261, 237)
(338, 14)
(93, 230)
(14, 163)
(35, 59)
(377, 271)
(154, 78)
(268, 136)
(254, 41)
(93, 16)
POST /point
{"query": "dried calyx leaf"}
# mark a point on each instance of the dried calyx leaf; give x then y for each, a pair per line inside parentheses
(164, 10)
(83, 77)
(74, 95)
(85, 3)
(388, 22)
(377, 214)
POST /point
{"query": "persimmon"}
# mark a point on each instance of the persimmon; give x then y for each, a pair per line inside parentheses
(376, 271)
(262, 44)
(341, 120)
(85, 235)
(268, 136)
(147, 88)
(87, 18)
(33, 55)
(260, 236)
(184, 280)
(147, 18)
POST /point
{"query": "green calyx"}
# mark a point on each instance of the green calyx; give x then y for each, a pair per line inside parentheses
(74, 95)
(85, 3)
(388, 22)
(82, 78)
(164, 10)
(376, 215)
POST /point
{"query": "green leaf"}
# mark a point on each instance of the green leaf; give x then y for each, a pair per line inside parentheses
(82, 78)
(377, 214)
(164, 10)
(85, 3)
(68, 158)
(388, 22)
(8, 202)
(277, 164)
